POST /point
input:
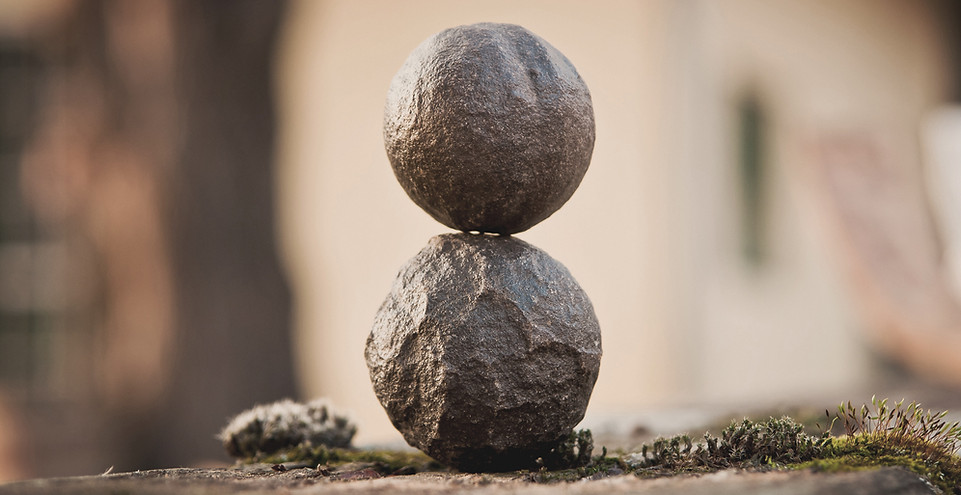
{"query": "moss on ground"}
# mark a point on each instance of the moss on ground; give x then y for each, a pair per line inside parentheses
(870, 450)
(870, 438)
(876, 436)
(571, 455)
(873, 437)
(596, 467)
(385, 462)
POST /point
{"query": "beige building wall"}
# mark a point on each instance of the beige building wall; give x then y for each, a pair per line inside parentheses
(822, 69)
(651, 234)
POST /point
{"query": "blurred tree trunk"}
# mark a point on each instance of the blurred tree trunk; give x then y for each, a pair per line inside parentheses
(233, 304)
(156, 148)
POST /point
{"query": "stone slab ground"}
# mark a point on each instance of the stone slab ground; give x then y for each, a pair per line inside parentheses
(262, 479)
(359, 479)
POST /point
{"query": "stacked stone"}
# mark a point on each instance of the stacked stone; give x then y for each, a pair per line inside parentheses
(485, 352)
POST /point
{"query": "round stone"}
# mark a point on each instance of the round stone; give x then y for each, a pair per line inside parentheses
(485, 352)
(488, 128)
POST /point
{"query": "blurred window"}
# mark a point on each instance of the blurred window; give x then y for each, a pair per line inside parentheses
(752, 176)
(29, 264)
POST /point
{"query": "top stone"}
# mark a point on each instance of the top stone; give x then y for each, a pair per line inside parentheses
(488, 128)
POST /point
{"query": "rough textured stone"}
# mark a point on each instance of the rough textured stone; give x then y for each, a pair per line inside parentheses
(485, 352)
(488, 128)
(261, 479)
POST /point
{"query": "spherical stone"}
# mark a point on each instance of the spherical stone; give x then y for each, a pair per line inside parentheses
(485, 352)
(488, 128)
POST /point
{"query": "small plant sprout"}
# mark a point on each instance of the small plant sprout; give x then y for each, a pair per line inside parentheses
(909, 436)
(896, 427)
(284, 425)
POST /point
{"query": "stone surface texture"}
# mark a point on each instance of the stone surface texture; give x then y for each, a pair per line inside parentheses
(485, 352)
(262, 480)
(488, 128)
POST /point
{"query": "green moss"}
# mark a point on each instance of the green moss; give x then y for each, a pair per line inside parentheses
(572, 451)
(908, 436)
(745, 444)
(385, 461)
(874, 449)
(283, 425)
(569, 460)
(597, 466)
(854, 462)
(874, 437)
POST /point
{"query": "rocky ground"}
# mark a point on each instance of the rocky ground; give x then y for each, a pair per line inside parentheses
(366, 478)
(358, 479)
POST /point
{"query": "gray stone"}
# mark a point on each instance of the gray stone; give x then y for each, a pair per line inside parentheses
(488, 128)
(259, 479)
(485, 352)
(883, 481)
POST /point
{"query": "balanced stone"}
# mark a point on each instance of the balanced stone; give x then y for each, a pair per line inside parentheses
(488, 128)
(485, 352)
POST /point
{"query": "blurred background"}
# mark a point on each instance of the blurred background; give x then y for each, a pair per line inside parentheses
(197, 213)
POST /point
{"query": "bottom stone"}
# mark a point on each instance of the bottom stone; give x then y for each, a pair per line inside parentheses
(485, 352)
